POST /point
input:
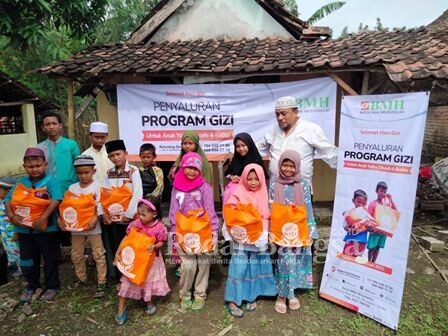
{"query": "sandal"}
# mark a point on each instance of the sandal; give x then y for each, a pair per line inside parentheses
(198, 304)
(185, 304)
(121, 319)
(235, 312)
(280, 307)
(251, 306)
(294, 304)
(150, 309)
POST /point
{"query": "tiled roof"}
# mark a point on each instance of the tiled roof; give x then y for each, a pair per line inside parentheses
(411, 54)
(12, 91)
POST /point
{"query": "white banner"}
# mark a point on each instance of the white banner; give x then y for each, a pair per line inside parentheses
(379, 155)
(161, 113)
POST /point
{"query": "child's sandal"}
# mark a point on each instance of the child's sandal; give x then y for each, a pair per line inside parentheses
(150, 309)
(294, 304)
(121, 319)
(198, 304)
(251, 306)
(235, 312)
(280, 307)
(185, 304)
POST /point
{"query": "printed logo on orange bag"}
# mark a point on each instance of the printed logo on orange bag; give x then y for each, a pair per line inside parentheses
(25, 213)
(194, 231)
(70, 217)
(27, 204)
(243, 222)
(289, 226)
(127, 259)
(116, 212)
(239, 234)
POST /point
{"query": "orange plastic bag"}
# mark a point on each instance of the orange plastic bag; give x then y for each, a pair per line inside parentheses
(133, 258)
(194, 231)
(76, 211)
(243, 222)
(25, 204)
(359, 219)
(387, 220)
(289, 226)
(115, 202)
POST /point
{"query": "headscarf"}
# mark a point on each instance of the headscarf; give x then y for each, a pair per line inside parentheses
(296, 179)
(206, 169)
(259, 197)
(239, 162)
(181, 182)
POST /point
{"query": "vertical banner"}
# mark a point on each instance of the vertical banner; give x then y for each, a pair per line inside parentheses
(379, 155)
(161, 113)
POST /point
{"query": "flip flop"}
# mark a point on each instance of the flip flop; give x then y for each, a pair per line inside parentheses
(280, 307)
(150, 309)
(185, 304)
(235, 312)
(251, 306)
(198, 304)
(294, 304)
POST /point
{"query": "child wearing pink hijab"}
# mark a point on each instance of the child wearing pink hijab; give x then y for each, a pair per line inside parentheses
(250, 270)
(293, 267)
(191, 192)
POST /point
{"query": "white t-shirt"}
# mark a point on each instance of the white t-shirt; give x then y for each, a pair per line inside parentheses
(94, 188)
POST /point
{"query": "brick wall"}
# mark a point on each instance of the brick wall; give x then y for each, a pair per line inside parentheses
(435, 143)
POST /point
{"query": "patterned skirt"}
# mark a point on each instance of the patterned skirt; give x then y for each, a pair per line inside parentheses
(293, 269)
(155, 284)
(250, 275)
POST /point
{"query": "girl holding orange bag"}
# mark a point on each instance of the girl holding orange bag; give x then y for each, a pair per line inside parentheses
(293, 268)
(191, 195)
(250, 270)
(150, 223)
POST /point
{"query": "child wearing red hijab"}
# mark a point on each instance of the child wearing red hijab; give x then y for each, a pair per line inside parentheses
(191, 192)
(250, 269)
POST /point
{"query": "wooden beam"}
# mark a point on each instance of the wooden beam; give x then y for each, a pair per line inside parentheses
(149, 26)
(70, 110)
(365, 82)
(377, 86)
(21, 102)
(344, 86)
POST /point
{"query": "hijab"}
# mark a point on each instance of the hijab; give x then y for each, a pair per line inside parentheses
(206, 169)
(295, 180)
(181, 182)
(239, 162)
(258, 197)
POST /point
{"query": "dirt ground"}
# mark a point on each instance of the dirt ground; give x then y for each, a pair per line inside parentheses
(424, 308)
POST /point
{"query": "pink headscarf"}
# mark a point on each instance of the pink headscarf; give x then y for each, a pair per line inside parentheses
(295, 180)
(258, 198)
(181, 182)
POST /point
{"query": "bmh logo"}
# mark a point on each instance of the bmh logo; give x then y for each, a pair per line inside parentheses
(382, 105)
(364, 105)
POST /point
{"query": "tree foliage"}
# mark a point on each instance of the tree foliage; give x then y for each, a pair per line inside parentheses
(325, 11)
(291, 5)
(26, 22)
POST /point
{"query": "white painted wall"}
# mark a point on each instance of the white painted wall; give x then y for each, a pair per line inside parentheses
(220, 19)
(13, 145)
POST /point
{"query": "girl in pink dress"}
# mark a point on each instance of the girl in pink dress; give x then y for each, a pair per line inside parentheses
(149, 222)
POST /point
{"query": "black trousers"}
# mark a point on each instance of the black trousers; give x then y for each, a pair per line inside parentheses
(32, 247)
(112, 236)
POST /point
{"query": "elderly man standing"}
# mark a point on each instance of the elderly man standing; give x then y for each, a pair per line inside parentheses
(292, 132)
(99, 132)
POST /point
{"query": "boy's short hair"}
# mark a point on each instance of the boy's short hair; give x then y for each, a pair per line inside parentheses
(34, 153)
(148, 147)
(83, 160)
(50, 114)
(381, 184)
(359, 193)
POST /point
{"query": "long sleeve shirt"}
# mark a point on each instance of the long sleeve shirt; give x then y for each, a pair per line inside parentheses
(102, 162)
(131, 177)
(307, 138)
(60, 156)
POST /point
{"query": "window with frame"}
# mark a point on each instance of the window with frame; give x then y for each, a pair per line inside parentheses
(11, 120)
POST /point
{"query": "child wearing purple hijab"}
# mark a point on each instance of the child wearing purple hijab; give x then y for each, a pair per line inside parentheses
(293, 268)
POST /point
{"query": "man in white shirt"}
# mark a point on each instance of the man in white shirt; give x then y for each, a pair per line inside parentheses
(292, 132)
(98, 137)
